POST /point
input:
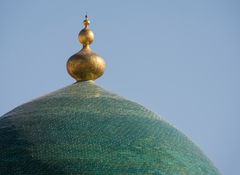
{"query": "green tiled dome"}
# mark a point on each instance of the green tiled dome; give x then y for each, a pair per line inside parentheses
(84, 129)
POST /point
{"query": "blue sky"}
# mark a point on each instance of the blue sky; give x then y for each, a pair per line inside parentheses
(181, 59)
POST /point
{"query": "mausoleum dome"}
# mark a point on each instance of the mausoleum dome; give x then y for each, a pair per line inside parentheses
(84, 129)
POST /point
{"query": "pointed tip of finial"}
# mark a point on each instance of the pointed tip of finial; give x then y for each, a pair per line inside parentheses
(86, 22)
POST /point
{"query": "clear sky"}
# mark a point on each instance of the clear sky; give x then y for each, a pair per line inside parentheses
(181, 59)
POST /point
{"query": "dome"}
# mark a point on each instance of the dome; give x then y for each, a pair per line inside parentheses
(85, 129)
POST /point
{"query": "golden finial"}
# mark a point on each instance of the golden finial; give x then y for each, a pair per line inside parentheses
(85, 65)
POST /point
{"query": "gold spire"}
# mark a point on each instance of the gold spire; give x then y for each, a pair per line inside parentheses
(85, 65)
(86, 22)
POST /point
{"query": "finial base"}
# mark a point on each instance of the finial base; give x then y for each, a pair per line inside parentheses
(85, 65)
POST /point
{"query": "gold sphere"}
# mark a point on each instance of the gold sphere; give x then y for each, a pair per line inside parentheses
(86, 36)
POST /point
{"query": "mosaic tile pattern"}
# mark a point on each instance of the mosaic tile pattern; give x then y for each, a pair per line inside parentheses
(83, 129)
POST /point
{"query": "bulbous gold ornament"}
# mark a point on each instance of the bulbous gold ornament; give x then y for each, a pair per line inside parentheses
(86, 65)
(86, 37)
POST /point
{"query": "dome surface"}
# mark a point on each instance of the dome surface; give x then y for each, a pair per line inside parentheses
(84, 129)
